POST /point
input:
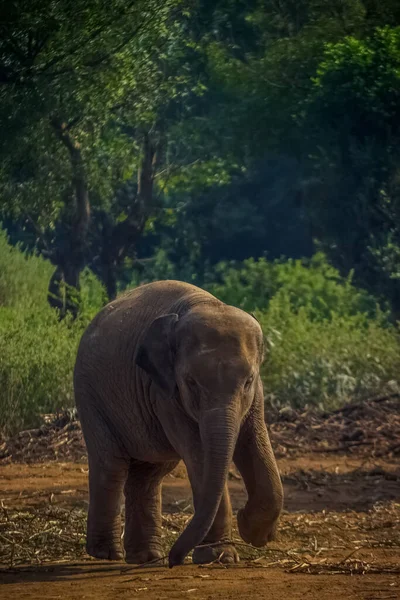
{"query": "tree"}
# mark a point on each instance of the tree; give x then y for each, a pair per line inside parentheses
(202, 131)
(353, 115)
(264, 105)
(66, 68)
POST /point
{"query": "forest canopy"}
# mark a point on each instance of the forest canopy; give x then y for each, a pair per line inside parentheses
(209, 131)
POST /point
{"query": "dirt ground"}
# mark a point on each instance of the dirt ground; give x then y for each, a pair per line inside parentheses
(339, 537)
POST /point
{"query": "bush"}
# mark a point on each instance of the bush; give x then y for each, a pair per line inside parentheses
(37, 351)
(325, 363)
(37, 354)
(158, 267)
(23, 279)
(313, 284)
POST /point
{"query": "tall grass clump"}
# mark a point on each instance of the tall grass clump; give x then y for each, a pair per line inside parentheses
(37, 351)
(23, 279)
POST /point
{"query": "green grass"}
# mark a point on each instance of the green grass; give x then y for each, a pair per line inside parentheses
(37, 351)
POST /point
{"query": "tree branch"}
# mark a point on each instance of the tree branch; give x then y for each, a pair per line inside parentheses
(93, 36)
(10, 76)
(78, 180)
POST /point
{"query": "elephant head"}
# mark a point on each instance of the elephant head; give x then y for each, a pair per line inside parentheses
(208, 361)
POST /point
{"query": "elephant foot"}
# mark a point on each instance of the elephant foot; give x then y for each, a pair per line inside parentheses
(104, 552)
(223, 553)
(142, 557)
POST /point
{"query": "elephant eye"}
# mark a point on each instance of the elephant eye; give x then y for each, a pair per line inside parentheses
(249, 382)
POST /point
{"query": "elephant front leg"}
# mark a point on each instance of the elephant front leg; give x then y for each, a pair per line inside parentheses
(255, 459)
(143, 520)
(221, 531)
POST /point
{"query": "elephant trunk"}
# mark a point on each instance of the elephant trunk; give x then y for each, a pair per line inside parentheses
(218, 431)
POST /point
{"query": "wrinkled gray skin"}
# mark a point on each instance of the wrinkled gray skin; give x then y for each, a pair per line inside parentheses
(167, 372)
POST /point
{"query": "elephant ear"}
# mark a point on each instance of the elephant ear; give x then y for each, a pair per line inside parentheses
(155, 353)
(263, 341)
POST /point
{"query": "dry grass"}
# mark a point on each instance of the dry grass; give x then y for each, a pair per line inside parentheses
(312, 543)
(40, 535)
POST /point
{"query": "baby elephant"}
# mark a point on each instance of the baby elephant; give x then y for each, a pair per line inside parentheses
(168, 372)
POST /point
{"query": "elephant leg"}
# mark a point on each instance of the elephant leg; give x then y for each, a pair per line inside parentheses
(221, 531)
(108, 470)
(143, 521)
(256, 462)
(106, 481)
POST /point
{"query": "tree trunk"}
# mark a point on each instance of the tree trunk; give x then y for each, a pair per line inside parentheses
(120, 240)
(64, 285)
(146, 172)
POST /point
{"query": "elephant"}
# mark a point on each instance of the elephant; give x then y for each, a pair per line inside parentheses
(164, 373)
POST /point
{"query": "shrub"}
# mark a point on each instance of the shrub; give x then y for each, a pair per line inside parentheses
(23, 278)
(325, 363)
(93, 295)
(37, 351)
(313, 284)
(327, 341)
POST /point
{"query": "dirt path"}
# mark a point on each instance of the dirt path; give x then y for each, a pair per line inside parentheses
(95, 581)
(342, 517)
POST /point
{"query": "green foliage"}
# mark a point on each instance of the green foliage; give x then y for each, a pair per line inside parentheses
(310, 284)
(352, 117)
(82, 84)
(159, 267)
(222, 87)
(37, 354)
(92, 295)
(364, 76)
(37, 351)
(327, 342)
(326, 362)
(23, 279)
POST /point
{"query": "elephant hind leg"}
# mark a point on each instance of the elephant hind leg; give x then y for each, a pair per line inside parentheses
(221, 530)
(143, 521)
(106, 481)
(108, 470)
